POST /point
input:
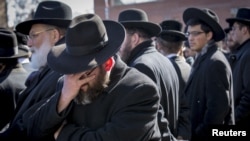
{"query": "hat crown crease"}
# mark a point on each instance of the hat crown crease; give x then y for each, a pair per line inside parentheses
(90, 43)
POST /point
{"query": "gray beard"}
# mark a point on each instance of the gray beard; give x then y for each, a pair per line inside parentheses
(84, 98)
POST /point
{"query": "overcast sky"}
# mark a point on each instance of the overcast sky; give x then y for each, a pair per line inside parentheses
(18, 10)
(80, 6)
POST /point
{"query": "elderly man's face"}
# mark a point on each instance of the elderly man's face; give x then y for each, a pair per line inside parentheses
(90, 91)
(40, 42)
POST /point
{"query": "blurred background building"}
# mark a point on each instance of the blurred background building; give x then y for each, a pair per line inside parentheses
(15, 11)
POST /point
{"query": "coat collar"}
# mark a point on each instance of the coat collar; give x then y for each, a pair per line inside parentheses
(212, 48)
(139, 49)
(241, 49)
(117, 73)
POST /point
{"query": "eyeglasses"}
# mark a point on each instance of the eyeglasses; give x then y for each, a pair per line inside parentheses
(90, 71)
(32, 36)
(87, 73)
(234, 28)
(194, 33)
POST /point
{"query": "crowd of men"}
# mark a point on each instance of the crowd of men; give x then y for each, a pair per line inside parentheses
(83, 78)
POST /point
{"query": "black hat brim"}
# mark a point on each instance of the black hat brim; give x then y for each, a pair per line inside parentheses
(151, 28)
(181, 36)
(61, 61)
(21, 53)
(25, 26)
(195, 13)
(232, 20)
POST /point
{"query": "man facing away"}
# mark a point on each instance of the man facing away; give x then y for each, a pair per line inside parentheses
(170, 43)
(139, 51)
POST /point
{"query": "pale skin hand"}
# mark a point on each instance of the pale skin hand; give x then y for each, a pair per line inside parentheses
(71, 86)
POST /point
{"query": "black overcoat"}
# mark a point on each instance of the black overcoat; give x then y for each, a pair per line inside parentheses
(149, 61)
(210, 92)
(40, 86)
(241, 77)
(125, 111)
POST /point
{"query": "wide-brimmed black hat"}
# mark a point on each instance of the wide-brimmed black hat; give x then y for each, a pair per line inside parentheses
(89, 43)
(243, 16)
(172, 31)
(48, 12)
(9, 46)
(207, 16)
(138, 18)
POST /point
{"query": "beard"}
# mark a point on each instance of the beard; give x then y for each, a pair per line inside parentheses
(94, 90)
(125, 49)
(39, 55)
(233, 46)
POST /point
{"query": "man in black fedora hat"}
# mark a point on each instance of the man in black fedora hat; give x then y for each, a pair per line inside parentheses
(229, 46)
(170, 43)
(209, 88)
(139, 51)
(12, 75)
(99, 97)
(46, 29)
(241, 66)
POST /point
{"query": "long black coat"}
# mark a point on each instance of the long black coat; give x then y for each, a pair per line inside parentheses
(12, 81)
(125, 111)
(40, 86)
(149, 61)
(241, 77)
(210, 92)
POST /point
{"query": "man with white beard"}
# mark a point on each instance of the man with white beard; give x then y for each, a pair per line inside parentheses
(46, 30)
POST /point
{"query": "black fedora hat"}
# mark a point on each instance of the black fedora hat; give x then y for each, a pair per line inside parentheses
(138, 18)
(9, 45)
(89, 43)
(243, 15)
(172, 30)
(48, 12)
(207, 16)
(21, 38)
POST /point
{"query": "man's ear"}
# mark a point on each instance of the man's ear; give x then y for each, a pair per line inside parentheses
(56, 36)
(109, 64)
(210, 35)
